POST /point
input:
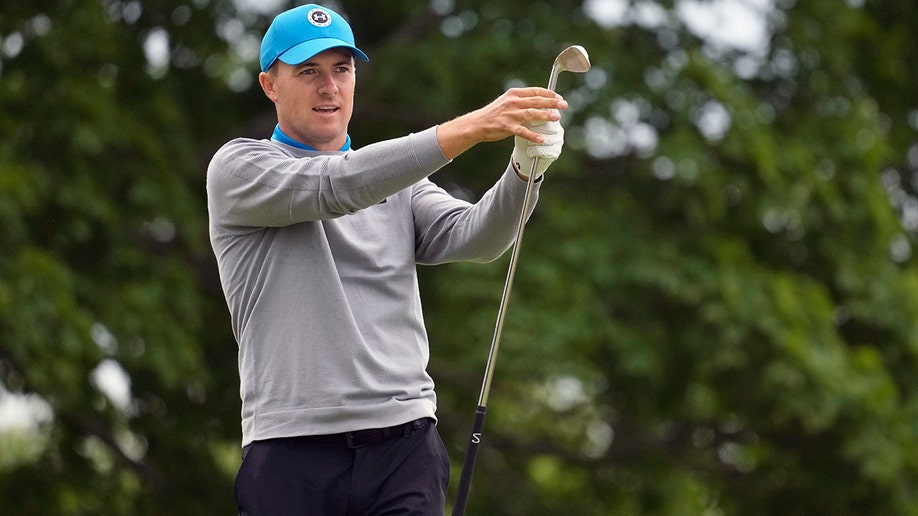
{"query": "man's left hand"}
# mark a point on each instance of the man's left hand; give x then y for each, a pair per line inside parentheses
(525, 151)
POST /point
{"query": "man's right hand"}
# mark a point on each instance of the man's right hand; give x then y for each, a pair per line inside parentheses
(508, 115)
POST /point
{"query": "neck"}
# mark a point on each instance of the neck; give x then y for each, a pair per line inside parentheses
(282, 137)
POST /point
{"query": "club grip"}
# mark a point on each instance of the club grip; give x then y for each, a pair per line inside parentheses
(468, 465)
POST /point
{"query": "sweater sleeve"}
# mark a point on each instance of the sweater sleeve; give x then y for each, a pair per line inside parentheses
(261, 183)
(448, 229)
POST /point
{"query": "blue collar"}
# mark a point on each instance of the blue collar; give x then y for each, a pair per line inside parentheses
(279, 136)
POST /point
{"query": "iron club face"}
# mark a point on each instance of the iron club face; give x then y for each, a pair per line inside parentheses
(572, 59)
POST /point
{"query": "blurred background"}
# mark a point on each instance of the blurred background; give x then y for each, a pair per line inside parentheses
(716, 303)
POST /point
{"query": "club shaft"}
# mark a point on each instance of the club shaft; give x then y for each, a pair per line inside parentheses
(553, 78)
(511, 271)
(508, 287)
(471, 453)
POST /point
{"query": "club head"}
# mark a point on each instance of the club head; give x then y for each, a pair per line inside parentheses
(573, 59)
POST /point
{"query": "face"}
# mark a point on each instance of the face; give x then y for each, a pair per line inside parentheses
(314, 99)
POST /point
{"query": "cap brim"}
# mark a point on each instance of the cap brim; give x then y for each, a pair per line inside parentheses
(307, 49)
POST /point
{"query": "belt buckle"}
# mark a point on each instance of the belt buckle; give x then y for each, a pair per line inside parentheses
(349, 439)
(363, 438)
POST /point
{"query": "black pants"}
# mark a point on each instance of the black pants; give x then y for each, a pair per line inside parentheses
(405, 474)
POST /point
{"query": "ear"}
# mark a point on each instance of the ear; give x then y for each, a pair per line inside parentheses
(268, 85)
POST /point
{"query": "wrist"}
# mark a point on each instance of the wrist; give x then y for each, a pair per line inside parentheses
(454, 137)
(519, 174)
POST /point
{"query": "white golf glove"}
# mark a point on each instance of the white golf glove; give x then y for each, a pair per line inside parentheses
(524, 150)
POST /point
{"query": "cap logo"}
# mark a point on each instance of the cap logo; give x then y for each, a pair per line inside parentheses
(319, 18)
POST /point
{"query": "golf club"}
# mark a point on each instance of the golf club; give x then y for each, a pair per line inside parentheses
(571, 59)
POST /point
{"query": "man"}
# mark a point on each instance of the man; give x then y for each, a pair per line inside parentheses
(317, 246)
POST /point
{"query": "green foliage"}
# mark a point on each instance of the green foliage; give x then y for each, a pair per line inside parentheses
(708, 318)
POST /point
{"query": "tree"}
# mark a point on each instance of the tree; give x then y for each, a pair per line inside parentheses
(713, 310)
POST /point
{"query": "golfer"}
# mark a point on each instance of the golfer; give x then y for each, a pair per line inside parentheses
(317, 245)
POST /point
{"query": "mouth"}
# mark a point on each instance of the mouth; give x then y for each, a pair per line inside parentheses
(326, 110)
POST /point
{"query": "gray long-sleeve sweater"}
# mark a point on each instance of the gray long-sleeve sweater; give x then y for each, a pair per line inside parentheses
(317, 253)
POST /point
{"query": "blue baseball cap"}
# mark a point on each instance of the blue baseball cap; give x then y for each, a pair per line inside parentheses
(302, 32)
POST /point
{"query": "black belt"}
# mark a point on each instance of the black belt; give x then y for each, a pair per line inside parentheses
(361, 438)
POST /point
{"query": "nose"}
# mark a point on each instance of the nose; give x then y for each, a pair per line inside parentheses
(328, 85)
